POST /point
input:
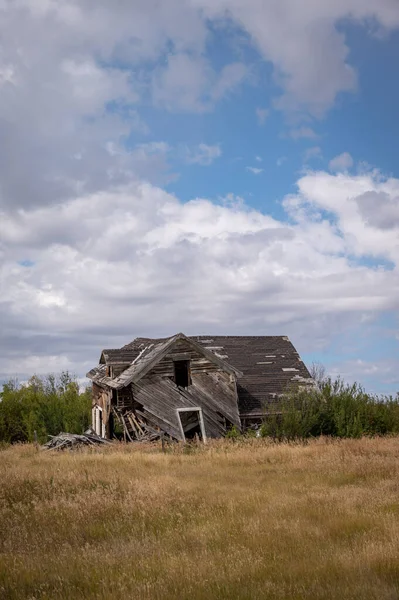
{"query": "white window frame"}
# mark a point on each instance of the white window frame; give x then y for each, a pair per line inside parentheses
(95, 420)
(201, 420)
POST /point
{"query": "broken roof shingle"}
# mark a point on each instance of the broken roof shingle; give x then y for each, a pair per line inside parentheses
(117, 356)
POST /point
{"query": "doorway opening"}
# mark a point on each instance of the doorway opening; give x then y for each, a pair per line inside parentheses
(97, 421)
(182, 373)
(191, 423)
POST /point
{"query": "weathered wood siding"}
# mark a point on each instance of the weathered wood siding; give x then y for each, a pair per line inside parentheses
(212, 389)
(118, 369)
(182, 350)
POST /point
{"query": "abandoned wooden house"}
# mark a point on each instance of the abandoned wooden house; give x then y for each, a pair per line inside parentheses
(184, 387)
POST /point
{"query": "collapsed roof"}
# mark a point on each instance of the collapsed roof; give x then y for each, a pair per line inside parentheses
(265, 365)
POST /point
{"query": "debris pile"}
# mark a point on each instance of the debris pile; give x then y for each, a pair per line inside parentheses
(136, 427)
(72, 440)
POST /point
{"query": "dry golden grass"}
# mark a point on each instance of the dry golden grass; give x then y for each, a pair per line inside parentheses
(231, 520)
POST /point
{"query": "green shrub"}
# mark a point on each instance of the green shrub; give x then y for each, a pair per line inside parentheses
(334, 409)
(233, 433)
(45, 405)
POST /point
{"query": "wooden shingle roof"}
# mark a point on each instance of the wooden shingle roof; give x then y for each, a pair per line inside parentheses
(269, 364)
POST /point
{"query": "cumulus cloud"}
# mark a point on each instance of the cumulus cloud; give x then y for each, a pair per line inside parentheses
(189, 83)
(92, 254)
(231, 76)
(312, 153)
(303, 133)
(152, 264)
(353, 202)
(203, 154)
(309, 53)
(255, 170)
(369, 373)
(342, 162)
(379, 209)
(74, 75)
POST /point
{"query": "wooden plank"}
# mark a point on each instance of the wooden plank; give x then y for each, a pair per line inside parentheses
(132, 425)
(137, 424)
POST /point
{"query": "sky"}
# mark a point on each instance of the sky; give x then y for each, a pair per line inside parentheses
(204, 166)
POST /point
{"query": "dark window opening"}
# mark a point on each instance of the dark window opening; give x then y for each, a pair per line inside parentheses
(182, 373)
(111, 426)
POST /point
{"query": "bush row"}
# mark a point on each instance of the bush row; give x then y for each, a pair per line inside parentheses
(334, 409)
(50, 404)
(45, 405)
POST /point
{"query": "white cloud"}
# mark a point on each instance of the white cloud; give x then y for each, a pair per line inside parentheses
(379, 209)
(312, 153)
(303, 132)
(155, 147)
(108, 250)
(262, 114)
(203, 154)
(183, 83)
(189, 83)
(155, 265)
(254, 170)
(63, 64)
(301, 39)
(342, 162)
(229, 78)
(369, 373)
(364, 207)
(74, 76)
(258, 158)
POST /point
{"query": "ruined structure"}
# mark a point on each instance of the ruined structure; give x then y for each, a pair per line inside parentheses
(184, 387)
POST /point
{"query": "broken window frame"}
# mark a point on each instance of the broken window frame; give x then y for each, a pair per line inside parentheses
(98, 420)
(197, 409)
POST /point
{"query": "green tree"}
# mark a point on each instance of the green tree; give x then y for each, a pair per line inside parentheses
(46, 405)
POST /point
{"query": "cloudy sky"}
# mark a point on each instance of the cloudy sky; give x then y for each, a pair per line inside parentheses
(205, 166)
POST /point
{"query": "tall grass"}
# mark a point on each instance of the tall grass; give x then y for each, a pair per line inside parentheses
(246, 519)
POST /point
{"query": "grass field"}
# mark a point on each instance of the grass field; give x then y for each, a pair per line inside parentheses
(230, 520)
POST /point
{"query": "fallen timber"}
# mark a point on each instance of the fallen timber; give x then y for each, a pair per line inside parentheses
(64, 441)
(135, 426)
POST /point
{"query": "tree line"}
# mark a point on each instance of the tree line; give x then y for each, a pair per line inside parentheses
(45, 405)
(333, 408)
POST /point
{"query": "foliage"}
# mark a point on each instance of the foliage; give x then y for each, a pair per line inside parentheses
(50, 404)
(233, 433)
(46, 405)
(335, 409)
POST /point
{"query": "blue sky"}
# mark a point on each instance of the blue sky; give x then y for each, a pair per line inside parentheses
(364, 123)
(210, 167)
